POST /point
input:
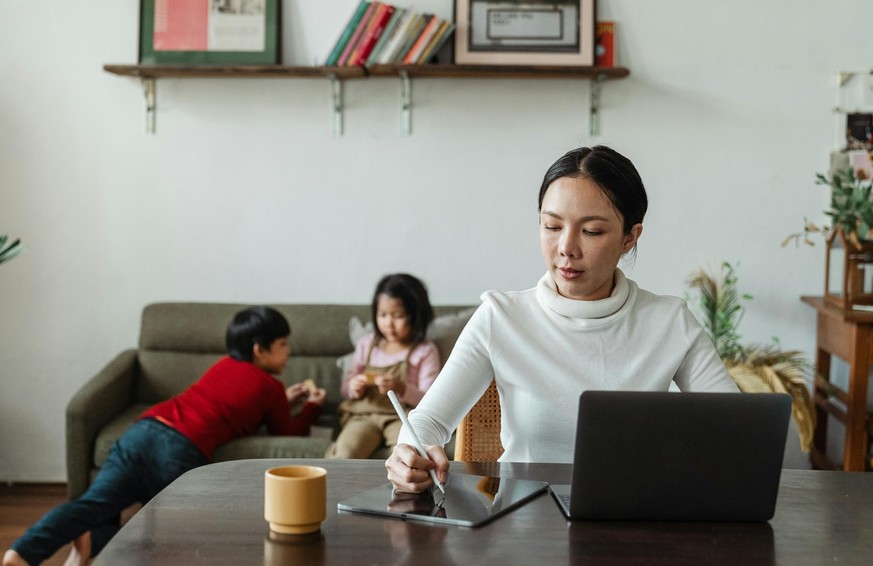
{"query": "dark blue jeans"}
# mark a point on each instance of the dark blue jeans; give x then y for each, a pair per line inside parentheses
(145, 460)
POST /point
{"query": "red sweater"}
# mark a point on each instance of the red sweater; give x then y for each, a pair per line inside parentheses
(231, 400)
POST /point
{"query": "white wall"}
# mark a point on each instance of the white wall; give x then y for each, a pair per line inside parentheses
(242, 195)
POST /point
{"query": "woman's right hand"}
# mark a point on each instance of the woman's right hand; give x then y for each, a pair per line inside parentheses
(357, 384)
(409, 472)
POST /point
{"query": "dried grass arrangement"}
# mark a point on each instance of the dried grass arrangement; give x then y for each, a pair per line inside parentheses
(756, 368)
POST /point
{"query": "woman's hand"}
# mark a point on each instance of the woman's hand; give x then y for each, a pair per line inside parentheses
(409, 472)
(357, 385)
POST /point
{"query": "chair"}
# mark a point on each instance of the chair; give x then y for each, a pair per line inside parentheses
(478, 436)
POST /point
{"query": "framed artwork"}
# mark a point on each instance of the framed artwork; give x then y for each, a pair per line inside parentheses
(209, 32)
(525, 32)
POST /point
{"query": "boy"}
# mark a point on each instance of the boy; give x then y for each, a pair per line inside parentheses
(232, 399)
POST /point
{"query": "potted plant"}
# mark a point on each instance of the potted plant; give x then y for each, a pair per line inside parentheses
(7, 252)
(756, 368)
(851, 209)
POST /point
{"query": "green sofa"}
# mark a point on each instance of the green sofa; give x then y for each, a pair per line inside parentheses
(179, 341)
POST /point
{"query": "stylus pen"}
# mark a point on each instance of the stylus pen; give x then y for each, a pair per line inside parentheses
(416, 442)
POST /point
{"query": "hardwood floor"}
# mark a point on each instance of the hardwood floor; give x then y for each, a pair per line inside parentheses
(21, 505)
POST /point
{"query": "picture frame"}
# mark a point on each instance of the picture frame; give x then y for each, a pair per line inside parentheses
(525, 32)
(209, 32)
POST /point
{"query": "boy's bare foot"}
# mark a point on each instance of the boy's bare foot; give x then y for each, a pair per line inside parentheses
(12, 558)
(80, 555)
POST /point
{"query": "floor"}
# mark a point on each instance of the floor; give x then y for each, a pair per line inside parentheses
(21, 505)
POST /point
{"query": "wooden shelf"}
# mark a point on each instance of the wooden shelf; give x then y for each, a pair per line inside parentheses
(150, 73)
(436, 71)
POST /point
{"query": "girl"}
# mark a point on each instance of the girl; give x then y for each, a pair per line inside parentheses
(395, 357)
(584, 325)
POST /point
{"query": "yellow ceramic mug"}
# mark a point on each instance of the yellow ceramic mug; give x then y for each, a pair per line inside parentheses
(295, 499)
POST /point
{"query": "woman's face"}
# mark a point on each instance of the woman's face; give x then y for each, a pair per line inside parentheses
(582, 239)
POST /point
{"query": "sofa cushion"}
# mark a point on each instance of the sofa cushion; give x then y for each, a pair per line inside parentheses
(260, 445)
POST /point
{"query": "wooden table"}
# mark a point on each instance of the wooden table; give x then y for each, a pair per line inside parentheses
(848, 335)
(214, 515)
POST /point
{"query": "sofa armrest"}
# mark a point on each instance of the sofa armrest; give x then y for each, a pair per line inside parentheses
(94, 404)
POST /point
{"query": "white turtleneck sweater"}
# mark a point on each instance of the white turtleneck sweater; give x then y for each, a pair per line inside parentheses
(544, 350)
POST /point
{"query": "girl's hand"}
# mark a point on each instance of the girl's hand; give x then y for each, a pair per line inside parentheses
(408, 472)
(386, 383)
(296, 393)
(357, 385)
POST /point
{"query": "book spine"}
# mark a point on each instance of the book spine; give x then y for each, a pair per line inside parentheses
(387, 34)
(353, 41)
(368, 41)
(442, 36)
(394, 43)
(410, 37)
(422, 40)
(605, 49)
(347, 33)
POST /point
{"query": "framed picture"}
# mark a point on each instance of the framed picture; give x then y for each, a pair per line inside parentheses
(525, 32)
(209, 32)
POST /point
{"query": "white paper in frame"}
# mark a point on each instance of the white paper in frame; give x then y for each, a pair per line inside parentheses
(540, 30)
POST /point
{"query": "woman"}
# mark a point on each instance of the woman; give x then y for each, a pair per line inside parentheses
(584, 326)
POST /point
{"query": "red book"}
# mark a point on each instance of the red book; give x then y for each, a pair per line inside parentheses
(371, 35)
(604, 51)
(353, 41)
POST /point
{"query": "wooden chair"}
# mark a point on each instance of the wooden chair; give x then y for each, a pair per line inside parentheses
(478, 436)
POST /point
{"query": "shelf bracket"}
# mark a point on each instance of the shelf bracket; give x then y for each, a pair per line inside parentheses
(336, 95)
(594, 104)
(405, 103)
(148, 85)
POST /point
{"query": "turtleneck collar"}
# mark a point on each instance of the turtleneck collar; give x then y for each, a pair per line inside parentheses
(550, 299)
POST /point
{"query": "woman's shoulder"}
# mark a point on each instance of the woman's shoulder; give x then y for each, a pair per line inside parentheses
(505, 299)
(645, 299)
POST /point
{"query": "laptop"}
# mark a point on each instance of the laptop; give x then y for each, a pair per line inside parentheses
(663, 456)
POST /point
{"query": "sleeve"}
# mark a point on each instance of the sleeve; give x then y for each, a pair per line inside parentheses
(424, 366)
(467, 374)
(702, 369)
(358, 363)
(278, 416)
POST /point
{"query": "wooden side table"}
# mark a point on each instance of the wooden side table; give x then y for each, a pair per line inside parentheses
(848, 335)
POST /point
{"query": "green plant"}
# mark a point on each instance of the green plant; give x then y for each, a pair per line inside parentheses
(754, 368)
(10, 251)
(851, 208)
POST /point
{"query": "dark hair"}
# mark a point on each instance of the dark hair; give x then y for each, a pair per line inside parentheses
(413, 294)
(612, 172)
(254, 325)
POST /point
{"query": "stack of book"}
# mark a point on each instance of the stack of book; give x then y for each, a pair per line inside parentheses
(381, 34)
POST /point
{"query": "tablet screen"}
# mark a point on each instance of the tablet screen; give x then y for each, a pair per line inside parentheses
(470, 500)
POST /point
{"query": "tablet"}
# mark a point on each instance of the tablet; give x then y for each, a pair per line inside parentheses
(469, 501)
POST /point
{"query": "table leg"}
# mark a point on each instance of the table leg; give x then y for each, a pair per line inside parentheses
(856, 411)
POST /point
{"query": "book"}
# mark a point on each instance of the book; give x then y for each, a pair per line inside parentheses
(604, 50)
(422, 40)
(395, 41)
(371, 35)
(443, 35)
(411, 35)
(387, 33)
(356, 36)
(346, 34)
